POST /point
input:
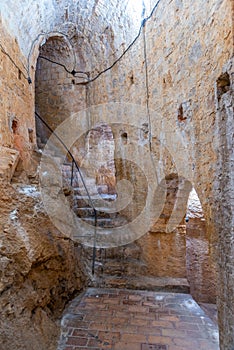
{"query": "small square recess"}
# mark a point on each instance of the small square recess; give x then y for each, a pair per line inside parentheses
(153, 347)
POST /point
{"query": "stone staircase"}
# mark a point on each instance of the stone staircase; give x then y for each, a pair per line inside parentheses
(118, 267)
(111, 264)
(122, 267)
(81, 200)
(98, 194)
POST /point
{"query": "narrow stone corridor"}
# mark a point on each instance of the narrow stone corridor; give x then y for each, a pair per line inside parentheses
(116, 174)
(121, 319)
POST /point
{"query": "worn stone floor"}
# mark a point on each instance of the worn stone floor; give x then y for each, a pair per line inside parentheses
(136, 320)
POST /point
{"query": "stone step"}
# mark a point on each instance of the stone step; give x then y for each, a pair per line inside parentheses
(89, 182)
(156, 284)
(119, 267)
(51, 157)
(84, 212)
(127, 258)
(9, 160)
(88, 212)
(106, 222)
(82, 201)
(106, 197)
(93, 189)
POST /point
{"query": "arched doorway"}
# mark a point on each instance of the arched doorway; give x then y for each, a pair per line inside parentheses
(201, 272)
(57, 95)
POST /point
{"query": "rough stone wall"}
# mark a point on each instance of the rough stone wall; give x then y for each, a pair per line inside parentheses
(40, 271)
(203, 44)
(164, 254)
(223, 190)
(186, 51)
(57, 96)
(200, 271)
(109, 24)
(180, 91)
(17, 125)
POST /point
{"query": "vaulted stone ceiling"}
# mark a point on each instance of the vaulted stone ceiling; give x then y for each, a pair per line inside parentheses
(104, 27)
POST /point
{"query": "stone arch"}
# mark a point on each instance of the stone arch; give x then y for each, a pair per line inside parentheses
(201, 271)
(41, 40)
(94, 152)
(184, 252)
(53, 81)
(165, 252)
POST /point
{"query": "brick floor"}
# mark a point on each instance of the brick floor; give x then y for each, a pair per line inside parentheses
(136, 320)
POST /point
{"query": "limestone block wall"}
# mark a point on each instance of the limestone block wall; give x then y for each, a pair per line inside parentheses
(57, 95)
(17, 125)
(185, 57)
(200, 270)
(173, 71)
(223, 190)
(90, 21)
(186, 51)
(40, 271)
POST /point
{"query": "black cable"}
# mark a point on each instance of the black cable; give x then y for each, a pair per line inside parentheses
(84, 184)
(57, 63)
(147, 90)
(129, 47)
(46, 34)
(72, 157)
(15, 64)
(147, 104)
(105, 70)
(73, 72)
(118, 59)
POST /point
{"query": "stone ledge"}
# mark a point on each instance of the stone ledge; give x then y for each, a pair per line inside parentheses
(8, 161)
(156, 284)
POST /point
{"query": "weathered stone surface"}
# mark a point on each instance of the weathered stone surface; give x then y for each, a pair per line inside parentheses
(17, 125)
(201, 271)
(109, 23)
(223, 190)
(40, 271)
(9, 160)
(181, 92)
(187, 46)
(126, 320)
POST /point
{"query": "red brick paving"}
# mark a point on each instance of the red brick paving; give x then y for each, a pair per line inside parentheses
(114, 319)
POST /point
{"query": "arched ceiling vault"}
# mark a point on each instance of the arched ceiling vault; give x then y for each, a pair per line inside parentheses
(102, 28)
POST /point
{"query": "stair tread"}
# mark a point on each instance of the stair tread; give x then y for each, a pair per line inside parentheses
(99, 209)
(171, 284)
(99, 219)
(96, 196)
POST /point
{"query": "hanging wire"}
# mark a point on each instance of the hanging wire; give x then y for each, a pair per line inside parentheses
(47, 34)
(59, 64)
(11, 59)
(84, 184)
(74, 72)
(90, 80)
(147, 101)
(147, 89)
